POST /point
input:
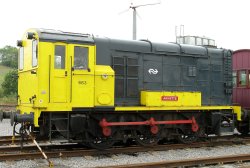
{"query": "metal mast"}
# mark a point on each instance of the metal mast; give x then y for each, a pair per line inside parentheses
(133, 7)
(134, 23)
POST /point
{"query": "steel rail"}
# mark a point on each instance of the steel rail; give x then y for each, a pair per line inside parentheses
(7, 108)
(190, 162)
(7, 140)
(6, 137)
(8, 105)
(74, 150)
(31, 148)
(31, 152)
(10, 140)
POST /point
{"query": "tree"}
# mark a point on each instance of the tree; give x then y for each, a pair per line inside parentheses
(9, 56)
(10, 83)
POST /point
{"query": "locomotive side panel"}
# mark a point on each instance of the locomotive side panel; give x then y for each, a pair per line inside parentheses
(142, 66)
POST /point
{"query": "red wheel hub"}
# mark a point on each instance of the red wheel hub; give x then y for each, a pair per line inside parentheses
(106, 131)
(154, 129)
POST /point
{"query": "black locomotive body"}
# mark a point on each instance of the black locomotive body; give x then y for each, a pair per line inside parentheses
(143, 65)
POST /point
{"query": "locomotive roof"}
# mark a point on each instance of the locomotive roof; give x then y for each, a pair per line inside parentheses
(56, 35)
(124, 45)
(146, 46)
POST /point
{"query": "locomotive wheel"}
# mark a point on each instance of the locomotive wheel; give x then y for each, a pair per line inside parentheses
(243, 127)
(187, 137)
(23, 133)
(145, 139)
(99, 143)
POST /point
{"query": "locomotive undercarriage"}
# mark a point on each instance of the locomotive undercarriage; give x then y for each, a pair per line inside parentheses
(103, 129)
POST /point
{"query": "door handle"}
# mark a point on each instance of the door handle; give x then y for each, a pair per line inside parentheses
(66, 73)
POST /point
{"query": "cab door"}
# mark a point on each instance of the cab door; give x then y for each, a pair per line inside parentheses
(59, 78)
(82, 75)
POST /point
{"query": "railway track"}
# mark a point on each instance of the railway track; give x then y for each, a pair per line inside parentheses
(3, 106)
(7, 107)
(9, 140)
(74, 150)
(190, 162)
(29, 151)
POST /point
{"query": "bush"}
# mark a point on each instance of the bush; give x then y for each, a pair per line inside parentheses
(9, 56)
(10, 83)
(1, 92)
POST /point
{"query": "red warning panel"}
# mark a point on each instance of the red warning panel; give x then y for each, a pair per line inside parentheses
(169, 98)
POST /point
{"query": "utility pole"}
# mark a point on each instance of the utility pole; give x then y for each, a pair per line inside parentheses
(134, 23)
(133, 7)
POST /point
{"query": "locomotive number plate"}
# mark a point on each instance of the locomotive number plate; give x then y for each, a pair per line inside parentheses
(169, 98)
(82, 82)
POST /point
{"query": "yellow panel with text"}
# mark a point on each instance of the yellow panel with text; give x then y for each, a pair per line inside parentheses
(162, 98)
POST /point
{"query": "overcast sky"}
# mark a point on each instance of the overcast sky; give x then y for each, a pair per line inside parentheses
(225, 21)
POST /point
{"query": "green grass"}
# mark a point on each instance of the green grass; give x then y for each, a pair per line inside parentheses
(11, 99)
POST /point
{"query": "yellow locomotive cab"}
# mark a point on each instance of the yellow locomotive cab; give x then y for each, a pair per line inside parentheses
(59, 75)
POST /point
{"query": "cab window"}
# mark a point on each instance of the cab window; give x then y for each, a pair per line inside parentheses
(59, 58)
(249, 78)
(242, 78)
(21, 58)
(34, 53)
(81, 57)
(234, 79)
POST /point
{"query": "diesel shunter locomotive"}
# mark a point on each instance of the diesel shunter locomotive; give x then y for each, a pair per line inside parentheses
(99, 91)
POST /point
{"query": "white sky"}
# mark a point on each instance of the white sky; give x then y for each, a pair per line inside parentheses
(226, 21)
